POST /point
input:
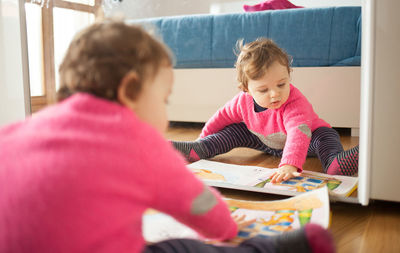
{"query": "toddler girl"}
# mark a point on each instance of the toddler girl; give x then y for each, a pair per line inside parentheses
(273, 116)
(78, 176)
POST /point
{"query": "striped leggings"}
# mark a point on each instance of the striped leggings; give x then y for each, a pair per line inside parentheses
(325, 143)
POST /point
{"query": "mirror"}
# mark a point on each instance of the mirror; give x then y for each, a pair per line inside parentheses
(188, 103)
(199, 90)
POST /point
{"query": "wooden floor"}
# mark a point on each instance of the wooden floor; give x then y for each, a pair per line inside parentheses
(355, 228)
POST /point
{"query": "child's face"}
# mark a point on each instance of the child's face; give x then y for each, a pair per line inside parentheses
(151, 104)
(273, 89)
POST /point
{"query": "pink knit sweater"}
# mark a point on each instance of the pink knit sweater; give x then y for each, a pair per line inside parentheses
(288, 127)
(78, 176)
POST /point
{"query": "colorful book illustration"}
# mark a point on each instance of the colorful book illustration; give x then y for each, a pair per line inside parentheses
(254, 178)
(272, 217)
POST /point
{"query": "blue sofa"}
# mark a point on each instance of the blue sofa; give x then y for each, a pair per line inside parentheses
(312, 36)
(325, 44)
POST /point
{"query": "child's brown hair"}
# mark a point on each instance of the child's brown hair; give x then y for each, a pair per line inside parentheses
(101, 55)
(256, 57)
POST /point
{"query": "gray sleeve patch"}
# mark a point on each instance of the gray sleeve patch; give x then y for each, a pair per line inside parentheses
(275, 140)
(305, 130)
(204, 202)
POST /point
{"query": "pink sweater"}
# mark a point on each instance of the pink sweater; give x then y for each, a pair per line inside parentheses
(288, 127)
(78, 176)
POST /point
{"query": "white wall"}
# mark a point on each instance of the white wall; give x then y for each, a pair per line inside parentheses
(14, 98)
(134, 9)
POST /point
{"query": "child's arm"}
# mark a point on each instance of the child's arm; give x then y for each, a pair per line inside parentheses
(297, 119)
(230, 113)
(180, 194)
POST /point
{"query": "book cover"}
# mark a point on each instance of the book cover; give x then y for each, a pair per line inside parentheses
(255, 178)
(272, 217)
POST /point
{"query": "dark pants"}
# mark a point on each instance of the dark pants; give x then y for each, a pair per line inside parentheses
(325, 143)
(288, 242)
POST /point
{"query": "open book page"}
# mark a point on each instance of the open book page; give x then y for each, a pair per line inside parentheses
(158, 226)
(272, 217)
(254, 178)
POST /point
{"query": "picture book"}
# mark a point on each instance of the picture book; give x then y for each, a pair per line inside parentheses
(254, 178)
(272, 217)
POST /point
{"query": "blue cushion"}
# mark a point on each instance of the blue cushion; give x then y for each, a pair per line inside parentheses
(312, 36)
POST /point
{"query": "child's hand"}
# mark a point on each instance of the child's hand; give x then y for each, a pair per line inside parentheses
(241, 222)
(284, 173)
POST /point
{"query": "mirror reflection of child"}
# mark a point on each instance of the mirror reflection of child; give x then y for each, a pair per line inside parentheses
(273, 116)
(78, 176)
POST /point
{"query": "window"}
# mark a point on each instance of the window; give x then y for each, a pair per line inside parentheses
(51, 25)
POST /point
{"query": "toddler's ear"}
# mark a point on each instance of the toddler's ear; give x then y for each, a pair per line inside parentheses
(123, 95)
